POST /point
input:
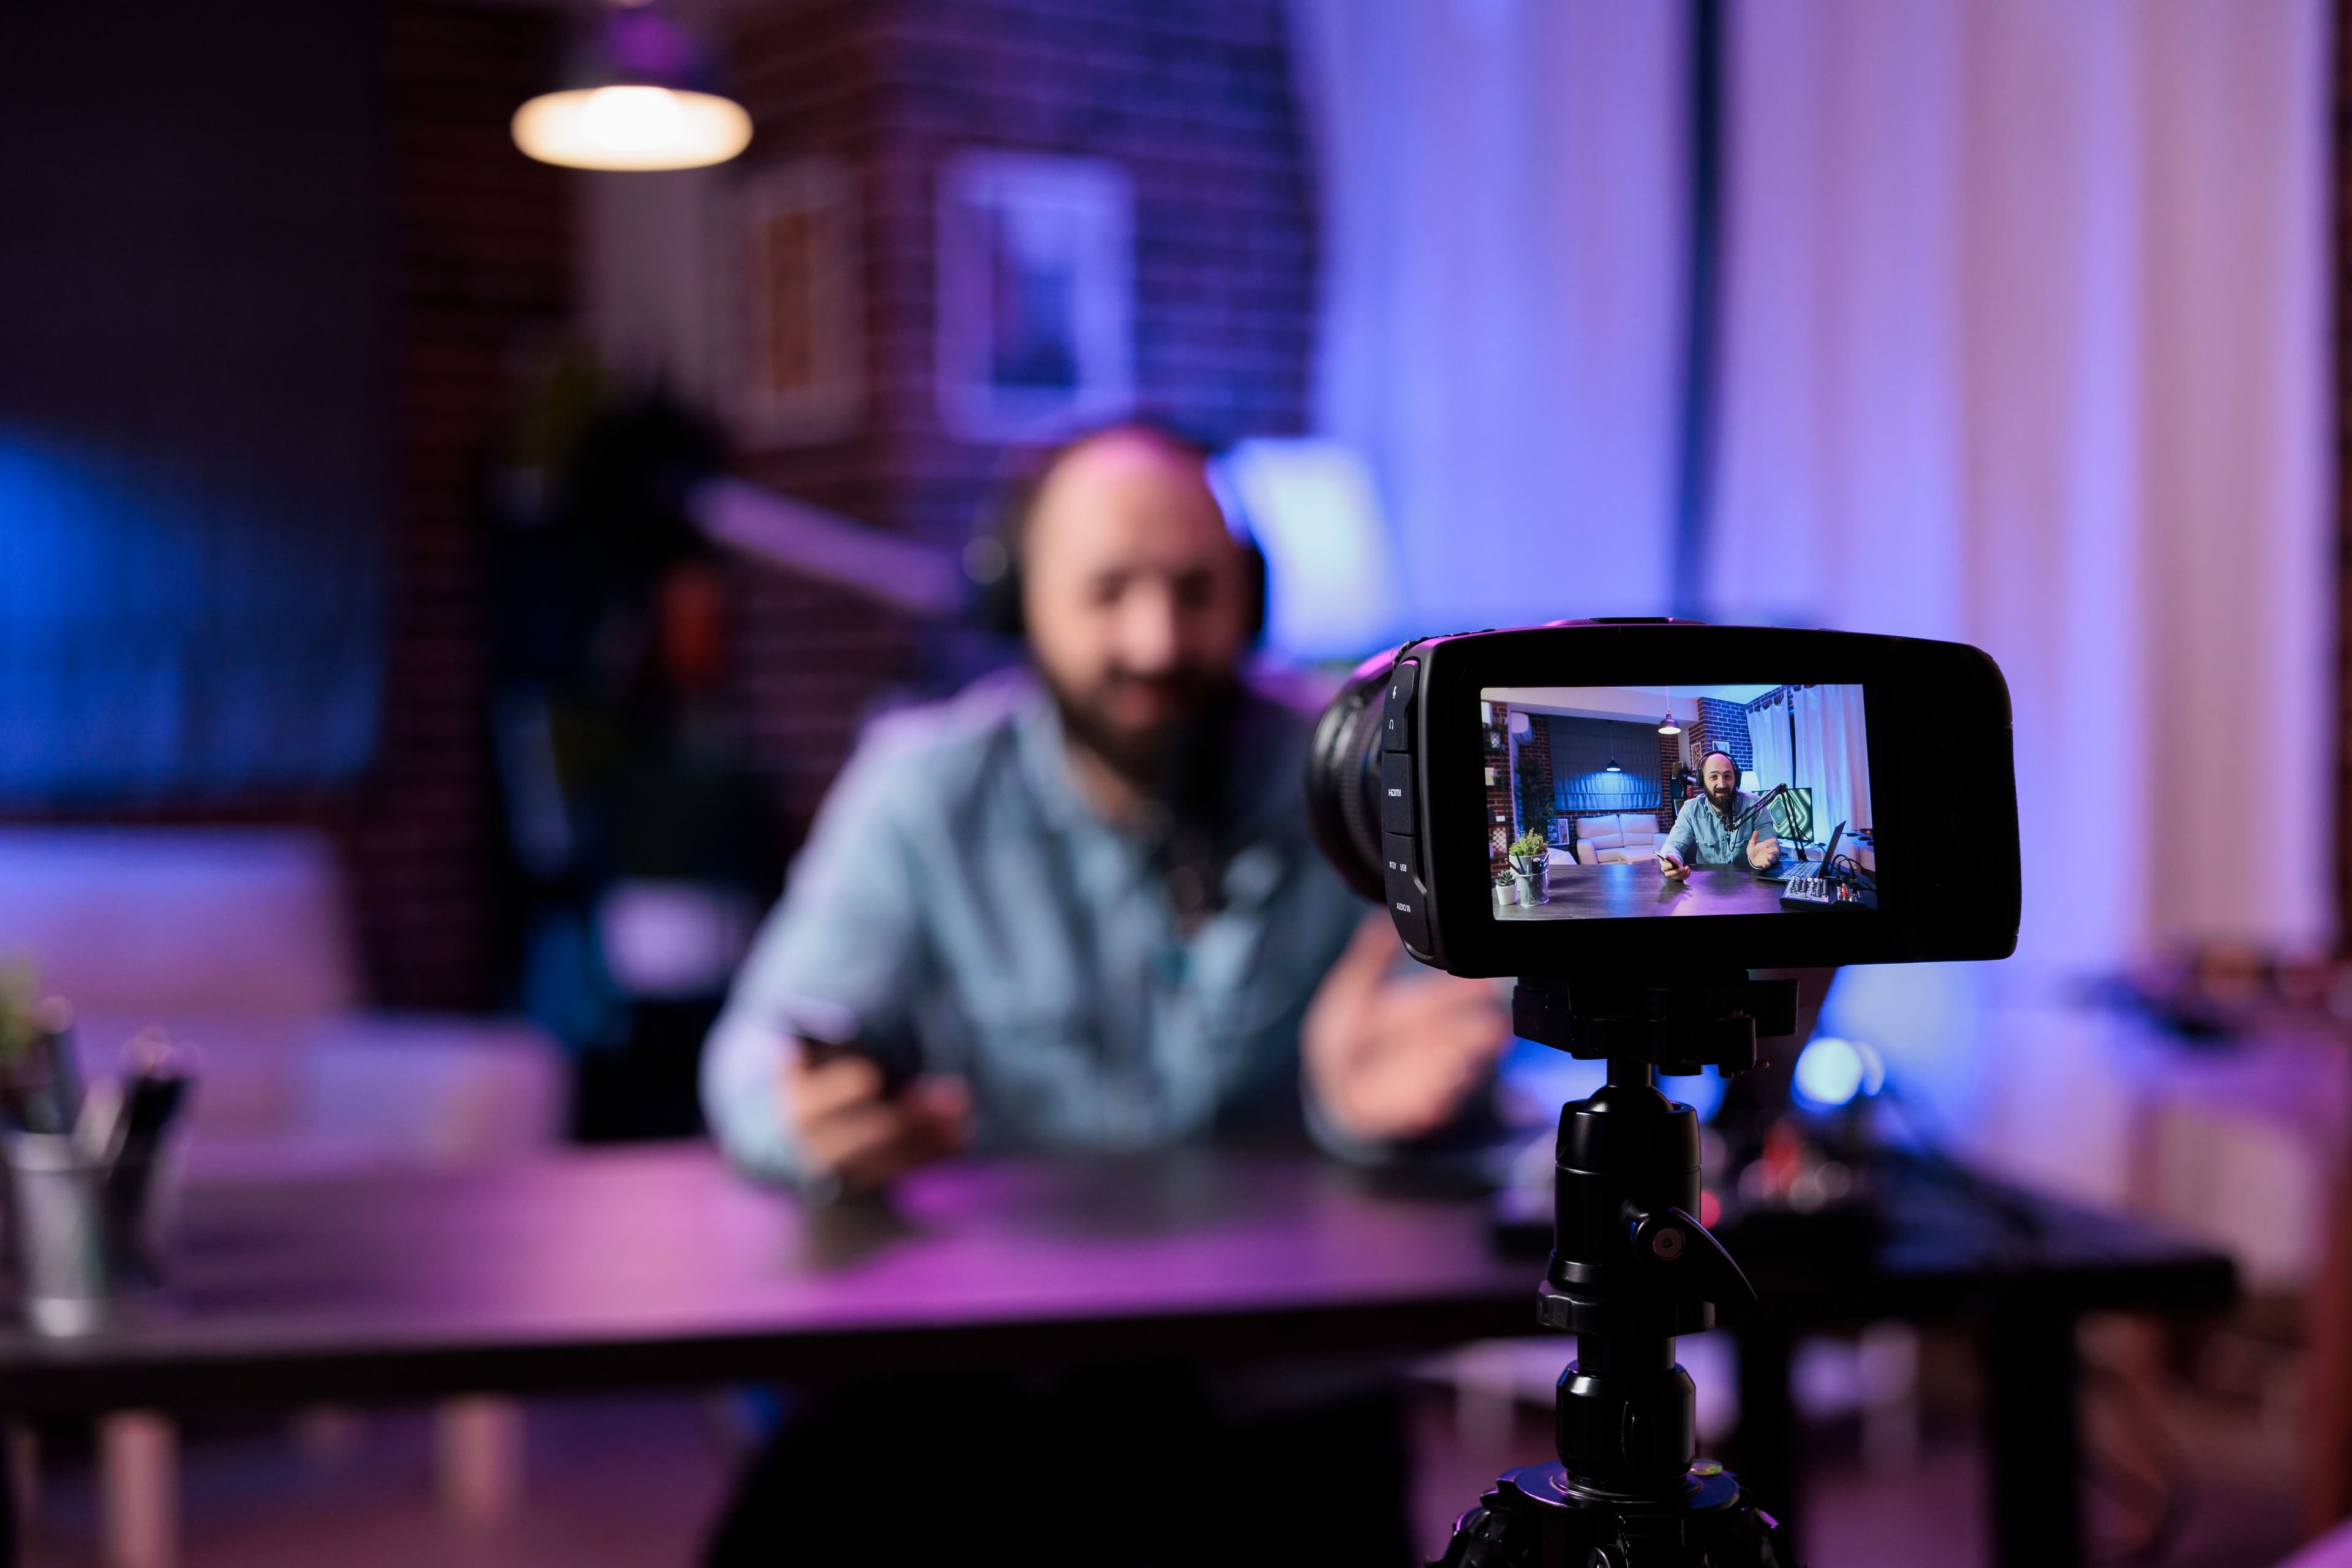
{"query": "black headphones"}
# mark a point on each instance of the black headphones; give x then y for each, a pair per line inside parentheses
(992, 559)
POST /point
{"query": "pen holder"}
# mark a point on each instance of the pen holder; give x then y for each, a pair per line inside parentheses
(85, 1234)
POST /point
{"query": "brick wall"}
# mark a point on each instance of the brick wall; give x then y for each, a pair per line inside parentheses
(815, 79)
(481, 261)
(1194, 98)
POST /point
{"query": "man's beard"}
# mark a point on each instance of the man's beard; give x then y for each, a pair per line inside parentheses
(1723, 802)
(1182, 765)
(1176, 760)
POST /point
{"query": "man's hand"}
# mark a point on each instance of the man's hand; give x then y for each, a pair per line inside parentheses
(1763, 853)
(1671, 867)
(847, 1129)
(1394, 1058)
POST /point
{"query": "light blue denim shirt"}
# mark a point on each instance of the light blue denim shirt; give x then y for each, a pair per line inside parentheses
(960, 909)
(1701, 835)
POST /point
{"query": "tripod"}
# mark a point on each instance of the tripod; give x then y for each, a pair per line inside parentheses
(1632, 1267)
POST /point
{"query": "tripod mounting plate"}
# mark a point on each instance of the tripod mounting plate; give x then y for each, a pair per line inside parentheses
(1678, 1028)
(1536, 1517)
(1707, 1486)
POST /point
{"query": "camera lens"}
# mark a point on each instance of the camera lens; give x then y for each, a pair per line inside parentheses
(1343, 775)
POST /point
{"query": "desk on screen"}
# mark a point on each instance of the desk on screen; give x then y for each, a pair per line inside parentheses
(1635, 888)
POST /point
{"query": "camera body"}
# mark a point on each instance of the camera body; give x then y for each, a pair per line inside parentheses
(1413, 780)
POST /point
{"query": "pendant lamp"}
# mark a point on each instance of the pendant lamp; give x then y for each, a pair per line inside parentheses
(641, 92)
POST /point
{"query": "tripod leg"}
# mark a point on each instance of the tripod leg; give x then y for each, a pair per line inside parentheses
(11, 1546)
(1764, 1449)
(2032, 1454)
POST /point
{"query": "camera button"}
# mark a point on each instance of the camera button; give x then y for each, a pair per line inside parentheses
(1400, 806)
(1402, 855)
(1396, 721)
(1408, 894)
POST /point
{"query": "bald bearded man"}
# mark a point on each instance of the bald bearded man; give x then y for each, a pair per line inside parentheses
(1078, 908)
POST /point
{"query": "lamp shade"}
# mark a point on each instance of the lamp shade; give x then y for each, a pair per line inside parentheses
(1612, 767)
(641, 93)
(1666, 726)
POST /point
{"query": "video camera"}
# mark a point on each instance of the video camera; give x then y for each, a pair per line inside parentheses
(1424, 785)
(1529, 802)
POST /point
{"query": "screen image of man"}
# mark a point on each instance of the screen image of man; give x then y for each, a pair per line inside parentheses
(1077, 908)
(1719, 826)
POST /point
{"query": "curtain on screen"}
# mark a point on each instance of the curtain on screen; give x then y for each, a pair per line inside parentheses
(1830, 758)
(1581, 751)
(1767, 743)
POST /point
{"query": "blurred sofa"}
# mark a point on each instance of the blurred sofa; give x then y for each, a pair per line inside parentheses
(237, 942)
(1617, 836)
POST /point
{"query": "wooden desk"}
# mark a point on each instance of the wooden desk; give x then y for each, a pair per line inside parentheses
(646, 1267)
(660, 1267)
(1635, 889)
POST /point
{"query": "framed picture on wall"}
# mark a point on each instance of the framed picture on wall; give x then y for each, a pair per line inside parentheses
(798, 348)
(1035, 326)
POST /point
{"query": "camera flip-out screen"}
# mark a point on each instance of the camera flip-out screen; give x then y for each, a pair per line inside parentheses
(1646, 800)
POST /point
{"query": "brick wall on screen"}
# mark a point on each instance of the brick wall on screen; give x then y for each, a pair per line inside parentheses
(1498, 792)
(1535, 771)
(1670, 763)
(1192, 98)
(1727, 731)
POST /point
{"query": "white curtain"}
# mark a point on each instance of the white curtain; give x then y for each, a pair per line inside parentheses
(1502, 299)
(2026, 344)
(2026, 339)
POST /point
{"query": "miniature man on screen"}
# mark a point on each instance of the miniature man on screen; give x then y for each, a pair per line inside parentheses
(1720, 828)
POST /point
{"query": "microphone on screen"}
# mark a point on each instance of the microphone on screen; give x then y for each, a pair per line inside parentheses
(1761, 803)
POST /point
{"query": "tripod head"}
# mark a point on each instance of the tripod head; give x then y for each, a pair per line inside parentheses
(1632, 1268)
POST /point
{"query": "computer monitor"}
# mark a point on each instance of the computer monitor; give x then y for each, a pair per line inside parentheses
(1792, 813)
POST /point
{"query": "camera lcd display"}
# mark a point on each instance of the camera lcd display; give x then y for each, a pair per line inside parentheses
(1619, 802)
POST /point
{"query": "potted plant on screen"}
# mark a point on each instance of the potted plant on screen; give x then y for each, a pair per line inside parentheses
(1530, 859)
(1507, 889)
